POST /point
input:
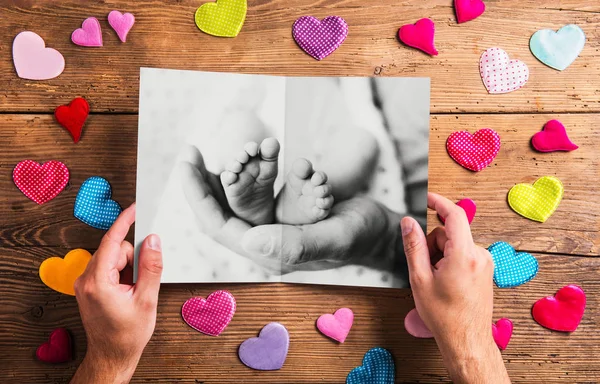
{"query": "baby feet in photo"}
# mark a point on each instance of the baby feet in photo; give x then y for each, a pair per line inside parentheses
(306, 197)
(248, 182)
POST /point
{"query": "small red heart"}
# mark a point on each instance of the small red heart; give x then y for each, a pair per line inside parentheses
(468, 206)
(502, 332)
(73, 116)
(57, 349)
(474, 152)
(419, 35)
(41, 183)
(553, 138)
(211, 315)
(561, 312)
(467, 10)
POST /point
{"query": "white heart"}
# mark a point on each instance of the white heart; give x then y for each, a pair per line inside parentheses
(500, 74)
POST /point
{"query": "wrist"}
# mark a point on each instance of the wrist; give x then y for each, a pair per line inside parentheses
(475, 363)
(96, 368)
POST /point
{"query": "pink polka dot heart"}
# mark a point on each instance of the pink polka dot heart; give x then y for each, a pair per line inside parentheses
(474, 152)
(211, 315)
(320, 38)
(41, 183)
(500, 74)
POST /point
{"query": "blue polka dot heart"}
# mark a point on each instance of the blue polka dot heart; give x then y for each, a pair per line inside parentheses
(512, 268)
(93, 204)
(378, 368)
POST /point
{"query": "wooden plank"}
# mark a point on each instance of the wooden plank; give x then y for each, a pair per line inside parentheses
(165, 36)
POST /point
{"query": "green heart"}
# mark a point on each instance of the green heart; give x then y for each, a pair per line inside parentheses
(538, 201)
(223, 18)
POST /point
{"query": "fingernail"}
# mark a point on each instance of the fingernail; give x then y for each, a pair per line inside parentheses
(407, 226)
(261, 244)
(154, 242)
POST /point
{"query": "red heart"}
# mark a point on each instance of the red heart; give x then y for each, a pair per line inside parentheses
(467, 10)
(57, 349)
(419, 35)
(209, 316)
(561, 312)
(474, 152)
(41, 183)
(73, 116)
(502, 332)
(553, 138)
(468, 206)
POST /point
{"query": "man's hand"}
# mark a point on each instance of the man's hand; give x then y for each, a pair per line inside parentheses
(118, 317)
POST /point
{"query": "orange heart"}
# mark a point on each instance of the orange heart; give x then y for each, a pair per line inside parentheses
(60, 273)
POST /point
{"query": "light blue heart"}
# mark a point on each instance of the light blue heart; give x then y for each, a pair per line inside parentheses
(558, 49)
(512, 268)
(93, 204)
(378, 368)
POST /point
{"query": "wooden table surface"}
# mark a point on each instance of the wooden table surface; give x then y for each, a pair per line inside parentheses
(164, 35)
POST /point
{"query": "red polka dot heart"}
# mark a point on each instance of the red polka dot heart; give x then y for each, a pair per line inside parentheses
(41, 183)
(474, 152)
(500, 74)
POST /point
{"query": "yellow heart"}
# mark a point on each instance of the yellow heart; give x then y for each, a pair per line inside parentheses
(60, 274)
(538, 201)
(223, 18)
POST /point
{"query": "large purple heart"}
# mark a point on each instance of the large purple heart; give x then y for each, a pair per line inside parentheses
(320, 38)
(268, 351)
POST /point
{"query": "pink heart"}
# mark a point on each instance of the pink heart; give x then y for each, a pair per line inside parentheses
(468, 206)
(500, 74)
(209, 316)
(415, 326)
(41, 183)
(419, 35)
(89, 35)
(502, 332)
(553, 138)
(467, 10)
(121, 23)
(33, 61)
(336, 326)
(319, 38)
(474, 152)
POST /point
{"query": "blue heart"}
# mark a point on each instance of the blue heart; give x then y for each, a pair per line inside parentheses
(512, 268)
(558, 49)
(93, 205)
(378, 368)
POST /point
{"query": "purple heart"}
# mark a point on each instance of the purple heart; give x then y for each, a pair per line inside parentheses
(320, 38)
(268, 351)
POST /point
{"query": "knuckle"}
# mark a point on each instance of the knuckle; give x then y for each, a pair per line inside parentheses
(149, 303)
(154, 266)
(417, 279)
(412, 245)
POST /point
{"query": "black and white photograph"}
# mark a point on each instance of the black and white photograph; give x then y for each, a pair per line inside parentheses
(254, 178)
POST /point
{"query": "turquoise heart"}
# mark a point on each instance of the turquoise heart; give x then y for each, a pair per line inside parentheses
(558, 49)
(512, 268)
(93, 204)
(378, 368)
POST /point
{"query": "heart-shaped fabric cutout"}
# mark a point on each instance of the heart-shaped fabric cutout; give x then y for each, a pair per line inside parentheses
(211, 315)
(561, 312)
(73, 116)
(93, 204)
(319, 38)
(223, 18)
(419, 35)
(474, 152)
(502, 332)
(558, 49)
(336, 326)
(58, 348)
(89, 35)
(268, 351)
(467, 10)
(468, 206)
(500, 74)
(377, 368)
(121, 23)
(60, 273)
(512, 268)
(415, 326)
(538, 201)
(33, 61)
(553, 138)
(41, 183)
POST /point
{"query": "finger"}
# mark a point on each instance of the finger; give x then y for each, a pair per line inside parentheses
(436, 242)
(150, 268)
(126, 255)
(120, 228)
(417, 253)
(456, 223)
(193, 156)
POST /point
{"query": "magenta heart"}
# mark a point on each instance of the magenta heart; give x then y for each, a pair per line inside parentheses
(33, 61)
(268, 351)
(41, 183)
(502, 332)
(336, 326)
(467, 10)
(419, 35)
(209, 316)
(468, 206)
(415, 326)
(553, 138)
(319, 38)
(89, 35)
(121, 23)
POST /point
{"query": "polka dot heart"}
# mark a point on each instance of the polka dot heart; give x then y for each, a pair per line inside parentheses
(41, 183)
(536, 202)
(93, 204)
(474, 152)
(378, 368)
(500, 74)
(211, 315)
(223, 18)
(320, 38)
(512, 268)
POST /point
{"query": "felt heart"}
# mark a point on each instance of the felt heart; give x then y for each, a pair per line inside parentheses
(60, 273)
(500, 74)
(41, 183)
(33, 61)
(474, 152)
(58, 348)
(561, 312)
(538, 201)
(512, 268)
(377, 368)
(502, 332)
(268, 351)
(468, 206)
(319, 38)
(223, 18)
(336, 326)
(415, 326)
(419, 35)
(559, 49)
(93, 205)
(121, 23)
(467, 10)
(89, 35)
(553, 138)
(73, 116)
(211, 315)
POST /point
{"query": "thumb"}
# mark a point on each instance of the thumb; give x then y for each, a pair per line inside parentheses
(150, 268)
(416, 251)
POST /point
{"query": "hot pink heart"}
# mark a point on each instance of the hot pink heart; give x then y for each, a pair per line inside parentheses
(500, 74)
(502, 332)
(211, 315)
(553, 138)
(89, 35)
(419, 35)
(467, 10)
(33, 61)
(468, 206)
(121, 23)
(336, 326)
(41, 183)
